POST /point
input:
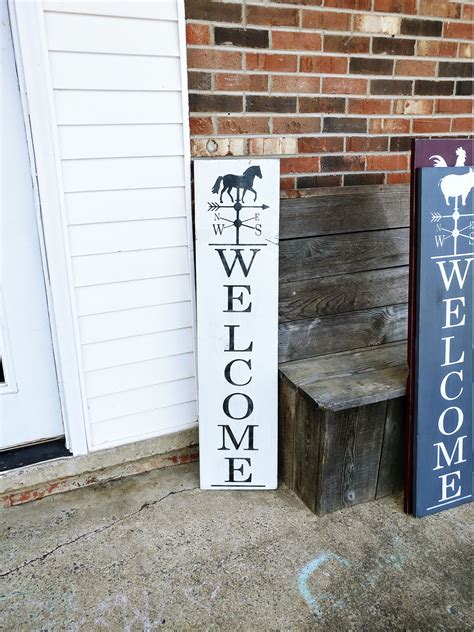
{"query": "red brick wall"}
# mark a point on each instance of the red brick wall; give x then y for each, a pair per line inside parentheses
(337, 88)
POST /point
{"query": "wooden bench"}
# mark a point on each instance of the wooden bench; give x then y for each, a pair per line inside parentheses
(342, 343)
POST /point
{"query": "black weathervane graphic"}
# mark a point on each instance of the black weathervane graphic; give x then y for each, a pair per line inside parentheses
(244, 183)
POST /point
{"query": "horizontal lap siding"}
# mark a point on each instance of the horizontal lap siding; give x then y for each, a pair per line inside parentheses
(116, 79)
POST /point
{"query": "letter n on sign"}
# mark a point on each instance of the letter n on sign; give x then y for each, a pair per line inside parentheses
(236, 224)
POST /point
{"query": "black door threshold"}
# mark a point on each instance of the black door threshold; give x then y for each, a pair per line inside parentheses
(36, 453)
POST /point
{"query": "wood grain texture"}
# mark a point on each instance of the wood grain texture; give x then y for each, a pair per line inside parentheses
(342, 343)
(345, 210)
(340, 332)
(342, 293)
(286, 430)
(390, 478)
(302, 372)
(351, 444)
(307, 450)
(360, 389)
(313, 257)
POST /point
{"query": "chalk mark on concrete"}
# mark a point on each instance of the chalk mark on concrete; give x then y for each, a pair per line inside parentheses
(306, 573)
(105, 527)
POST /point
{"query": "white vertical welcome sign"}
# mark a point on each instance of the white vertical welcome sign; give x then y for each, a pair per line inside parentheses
(236, 223)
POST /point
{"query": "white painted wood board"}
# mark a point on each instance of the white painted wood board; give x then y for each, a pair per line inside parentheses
(112, 353)
(120, 141)
(117, 80)
(99, 107)
(91, 71)
(89, 239)
(127, 266)
(139, 375)
(131, 204)
(100, 299)
(155, 10)
(142, 400)
(237, 307)
(122, 173)
(149, 424)
(135, 322)
(85, 33)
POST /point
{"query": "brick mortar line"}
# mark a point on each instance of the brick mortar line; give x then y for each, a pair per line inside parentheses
(381, 115)
(333, 154)
(341, 95)
(271, 4)
(327, 114)
(322, 135)
(336, 115)
(335, 10)
(326, 75)
(318, 135)
(299, 174)
(325, 53)
(358, 97)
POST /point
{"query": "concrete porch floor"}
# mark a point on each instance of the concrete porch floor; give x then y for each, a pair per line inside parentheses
(152, 550)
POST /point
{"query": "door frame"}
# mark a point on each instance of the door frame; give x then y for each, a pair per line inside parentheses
(30, 50)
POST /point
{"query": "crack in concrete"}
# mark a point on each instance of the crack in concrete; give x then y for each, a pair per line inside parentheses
(105, 527)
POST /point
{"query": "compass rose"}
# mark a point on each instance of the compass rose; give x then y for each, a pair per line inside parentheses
(223, 223)
(455, 231)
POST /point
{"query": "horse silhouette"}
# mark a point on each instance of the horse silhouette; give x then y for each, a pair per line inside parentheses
(231, 181)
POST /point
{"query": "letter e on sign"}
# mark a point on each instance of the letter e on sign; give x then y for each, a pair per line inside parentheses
(236, 226)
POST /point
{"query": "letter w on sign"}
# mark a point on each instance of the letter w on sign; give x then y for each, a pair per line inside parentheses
(236, 222)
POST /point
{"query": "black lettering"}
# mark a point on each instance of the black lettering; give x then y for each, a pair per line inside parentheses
(229, 367)
(233, 470)
(237, 444)
(237, 257)
(226, 402)
(232, 340)
(240, 298)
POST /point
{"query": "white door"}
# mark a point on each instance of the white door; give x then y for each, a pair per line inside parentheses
(29, 399)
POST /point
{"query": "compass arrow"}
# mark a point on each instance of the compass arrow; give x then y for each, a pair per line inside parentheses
(214, 206)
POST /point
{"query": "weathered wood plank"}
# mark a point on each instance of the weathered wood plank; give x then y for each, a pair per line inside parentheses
(302, 372)
(342, 293)
(345, 210)
(307, 449)
(352, 443)
(286, 430)
(340, 332)
(340, 254)
(361, 389)
(390, 478)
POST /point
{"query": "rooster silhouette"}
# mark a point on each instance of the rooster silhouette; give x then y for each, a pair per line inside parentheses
(439, 161)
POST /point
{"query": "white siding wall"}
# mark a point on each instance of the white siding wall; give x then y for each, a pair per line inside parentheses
(116, 70)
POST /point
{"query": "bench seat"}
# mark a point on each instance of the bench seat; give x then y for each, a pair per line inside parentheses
(351, 378)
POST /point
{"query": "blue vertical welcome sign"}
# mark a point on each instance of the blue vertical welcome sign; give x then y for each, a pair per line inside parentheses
(443, 409)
